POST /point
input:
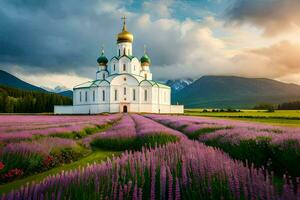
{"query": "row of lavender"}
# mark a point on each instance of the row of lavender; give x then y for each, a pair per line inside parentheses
(133, 132)
(22, 153)
(277, 148)
(28, 127)
(24, 158)
(184, 170)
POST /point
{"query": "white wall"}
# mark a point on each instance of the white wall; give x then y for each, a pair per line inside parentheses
(125, 45)
(63, 110)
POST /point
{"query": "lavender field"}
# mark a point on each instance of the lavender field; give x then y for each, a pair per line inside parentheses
(161, 157)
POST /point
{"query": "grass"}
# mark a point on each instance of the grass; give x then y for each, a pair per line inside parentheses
(279, 117)
(83, 133)
(96, 156)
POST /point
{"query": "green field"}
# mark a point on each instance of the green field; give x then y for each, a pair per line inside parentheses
(278, 117)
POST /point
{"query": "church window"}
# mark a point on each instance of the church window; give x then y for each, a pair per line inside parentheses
(146, 76)
(85, 96)
(146, 95)
(116, 95)
(114, 67)
(133, 94)
(93, 95)
(124, 51)
(103, 95)
(80, 96)
(103, 76)
(124, 90)
(124, 67)
(119, 52)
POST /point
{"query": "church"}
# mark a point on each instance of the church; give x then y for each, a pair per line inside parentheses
(123, 84)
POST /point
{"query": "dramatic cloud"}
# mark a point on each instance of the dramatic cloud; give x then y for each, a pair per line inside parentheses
(273, 16)
(55, 42)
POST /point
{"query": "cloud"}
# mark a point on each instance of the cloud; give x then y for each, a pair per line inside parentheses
(56, 36)
(283, 56)
(57, 40)
(158, 8)
(273, 16)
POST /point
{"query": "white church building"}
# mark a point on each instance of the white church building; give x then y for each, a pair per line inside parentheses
(123, 84)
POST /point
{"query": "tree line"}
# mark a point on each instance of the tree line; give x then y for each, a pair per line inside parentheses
(294, 105)
(14, 100)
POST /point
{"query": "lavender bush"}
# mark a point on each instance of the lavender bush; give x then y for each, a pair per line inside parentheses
(133, 132)
(185, 170)
(277, 148)
(37, 155)
(29, 127)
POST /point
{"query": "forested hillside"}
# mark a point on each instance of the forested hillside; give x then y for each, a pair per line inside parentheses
(14, 100)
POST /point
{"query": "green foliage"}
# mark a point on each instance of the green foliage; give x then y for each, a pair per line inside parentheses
(281, 159)
(265, 106)
(14, 100)
(31, 163)
(133, 143)
(83, 133)
(66, 155)
(295, 105)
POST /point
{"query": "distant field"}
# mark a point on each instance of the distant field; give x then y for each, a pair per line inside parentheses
(281, 117)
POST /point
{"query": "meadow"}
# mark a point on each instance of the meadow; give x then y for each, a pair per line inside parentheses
(133, 156)
(278, 117)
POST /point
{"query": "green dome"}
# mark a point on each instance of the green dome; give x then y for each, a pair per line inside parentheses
(102, 60)
(145, 59)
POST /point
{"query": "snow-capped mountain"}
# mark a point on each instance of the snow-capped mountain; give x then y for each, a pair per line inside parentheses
(57, 89)
(179, 84)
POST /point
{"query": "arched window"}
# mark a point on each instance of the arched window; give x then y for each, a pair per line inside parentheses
(93, 95)
(124, 51)
(119, 52)
(146, 95)
(146, 76)
(124, 90)
(133, 95)
(103, 95)
(80, 96)
(85, 96)
(114, 67)
(103, 76)
(116, 95)
(124, 67)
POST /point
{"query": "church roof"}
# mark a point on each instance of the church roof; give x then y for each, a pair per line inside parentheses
(119, 57)
(140, 79)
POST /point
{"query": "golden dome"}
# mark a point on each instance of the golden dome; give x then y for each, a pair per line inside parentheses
(124, 36)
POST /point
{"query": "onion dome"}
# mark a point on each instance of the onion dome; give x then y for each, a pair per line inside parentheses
(124, 36)
(102, 60)
(145, 59)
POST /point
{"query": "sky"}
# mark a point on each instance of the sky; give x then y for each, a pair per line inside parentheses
(56, 43)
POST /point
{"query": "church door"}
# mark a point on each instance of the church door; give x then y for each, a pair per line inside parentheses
(125, 109)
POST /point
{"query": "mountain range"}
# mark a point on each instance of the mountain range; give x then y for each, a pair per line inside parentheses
(12, 81)
(205, 92)
(234, 92)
